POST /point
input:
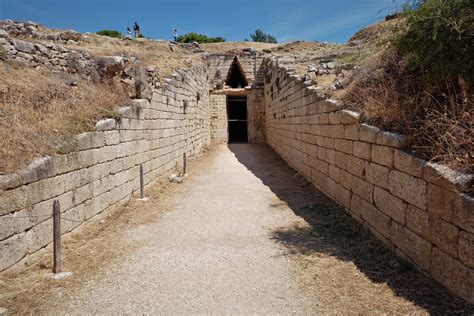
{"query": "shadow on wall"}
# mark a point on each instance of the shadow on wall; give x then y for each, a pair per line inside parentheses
(332, 232)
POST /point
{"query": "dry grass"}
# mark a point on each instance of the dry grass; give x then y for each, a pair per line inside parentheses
(39, 111)
(353, 273)
(148, 52)
(438, 123)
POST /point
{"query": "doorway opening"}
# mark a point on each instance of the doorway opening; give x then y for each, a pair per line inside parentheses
(237, 119)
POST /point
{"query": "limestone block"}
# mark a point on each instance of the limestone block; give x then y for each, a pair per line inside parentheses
(39, 236)
(345, 179)
(341, 160)
(362, 150)
(13, 250)
(111, 137)
(450, 272)
(363, 188)
(89, 140)
(377, 175)
(466, 248)
(14, 223)
(106, 124)
(408, 188)
(375, 218)
(368, 133)
(351, 132)
(408, 163)
(10, 181)
(441, 201)
(334, 172)
(382, 155)
(357, 166)
(390, 205)
(463, 215)
(390, 139)
(346, 146)
(14, 200)
(342, 195)
(412, 245)
(447, 178)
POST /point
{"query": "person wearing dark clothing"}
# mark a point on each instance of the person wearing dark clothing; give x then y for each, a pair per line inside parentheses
(136, 29)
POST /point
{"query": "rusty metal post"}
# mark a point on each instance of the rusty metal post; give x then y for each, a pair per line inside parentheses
(142, 193)
(57, 237)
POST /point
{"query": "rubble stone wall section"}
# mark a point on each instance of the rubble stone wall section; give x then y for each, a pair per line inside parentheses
(412, 206)
(102, 169)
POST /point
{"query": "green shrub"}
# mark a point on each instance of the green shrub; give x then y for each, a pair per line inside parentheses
(110, 33)
(439, 41)
(260, 36)
(200, 38)
(140, 35)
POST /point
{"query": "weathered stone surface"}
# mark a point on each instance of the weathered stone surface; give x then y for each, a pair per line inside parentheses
(463, 215)
(346, 146)
(368, 133)
(415, 247)
(382, 155)
(22, 46)
(363, 189)
(13, 223)
(408, 188)
(408, 163)
(362, 150)
(441, 201)
(390, 205)
(375, 218)
(466, 248)
(357, 166)
(390, 139)
(377, 175)
(3, 33)
(13, 250)
(106, 124)
(453, 274)
(447, 178)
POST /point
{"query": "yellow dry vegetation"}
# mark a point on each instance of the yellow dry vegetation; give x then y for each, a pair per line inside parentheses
(39, 111)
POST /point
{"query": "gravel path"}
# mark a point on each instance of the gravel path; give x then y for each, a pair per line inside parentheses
(212, 253)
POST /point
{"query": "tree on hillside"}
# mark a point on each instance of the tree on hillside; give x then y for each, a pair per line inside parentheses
(260, 36)
(200, 38)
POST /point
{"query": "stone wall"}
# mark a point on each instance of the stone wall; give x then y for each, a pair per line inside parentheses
(218, 105)
(256, 115)
(102, 169)
(412, 206)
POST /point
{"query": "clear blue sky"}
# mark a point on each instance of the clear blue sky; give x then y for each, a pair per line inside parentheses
(321, 20)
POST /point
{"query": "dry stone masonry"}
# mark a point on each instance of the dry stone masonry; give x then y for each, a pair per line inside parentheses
(412, 206)
(103, 169)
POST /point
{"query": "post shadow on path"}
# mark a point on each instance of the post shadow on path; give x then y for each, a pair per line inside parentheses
(333, 232)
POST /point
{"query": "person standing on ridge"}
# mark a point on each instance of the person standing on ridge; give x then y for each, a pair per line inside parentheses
(175, 35)
(136, 29)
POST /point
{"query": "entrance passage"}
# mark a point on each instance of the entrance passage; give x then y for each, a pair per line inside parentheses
(237, 119)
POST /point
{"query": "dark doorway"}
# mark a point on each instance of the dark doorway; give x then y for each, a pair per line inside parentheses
(236, 75)
(237, 119)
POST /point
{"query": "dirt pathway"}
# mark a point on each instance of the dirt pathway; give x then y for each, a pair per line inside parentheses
(244, 234)
(212, 253)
